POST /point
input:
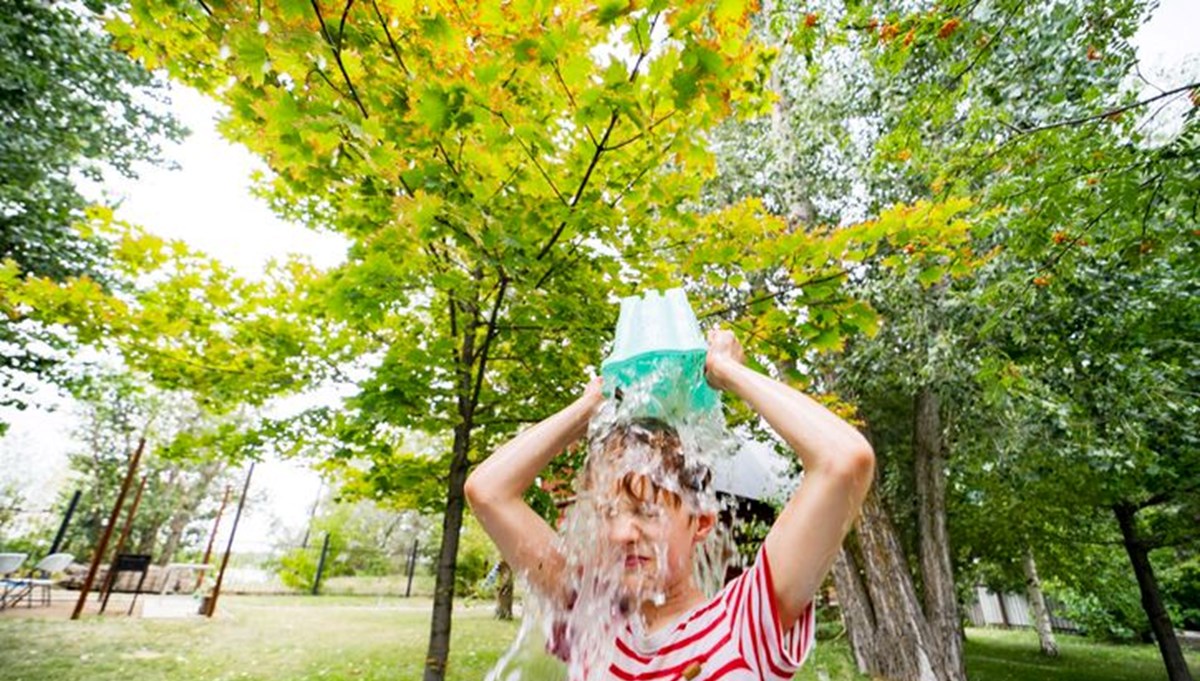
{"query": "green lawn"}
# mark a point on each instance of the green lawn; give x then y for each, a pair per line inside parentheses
(994, 655)
(289, 638)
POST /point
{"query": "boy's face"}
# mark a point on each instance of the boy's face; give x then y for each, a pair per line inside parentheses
(651, 541)
(650, 532)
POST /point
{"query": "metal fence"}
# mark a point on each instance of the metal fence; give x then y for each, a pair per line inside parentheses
(1011, 610)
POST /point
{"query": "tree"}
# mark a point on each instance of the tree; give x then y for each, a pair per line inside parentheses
(71, 106)
(186, 463)
(364, 540)
(501, 175)
(901, 103)
(469, 270)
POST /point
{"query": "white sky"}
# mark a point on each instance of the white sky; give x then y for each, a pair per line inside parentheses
(208, 204)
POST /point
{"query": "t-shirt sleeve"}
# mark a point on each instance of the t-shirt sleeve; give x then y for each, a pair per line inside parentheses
(774, 652)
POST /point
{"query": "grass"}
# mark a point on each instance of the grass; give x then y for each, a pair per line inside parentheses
(345, 638)
(995, 655)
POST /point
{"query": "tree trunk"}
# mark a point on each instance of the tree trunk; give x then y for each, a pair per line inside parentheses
(941, 604)
(897, 644)
(443, 593)
(504, 591)
(1152, 603)
(1041, 614)
(188, 506)
(857, 616)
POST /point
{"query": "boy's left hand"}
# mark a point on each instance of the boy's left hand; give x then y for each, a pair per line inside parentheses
(724, 353)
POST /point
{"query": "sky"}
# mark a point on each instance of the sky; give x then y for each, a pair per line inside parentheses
(207, 202)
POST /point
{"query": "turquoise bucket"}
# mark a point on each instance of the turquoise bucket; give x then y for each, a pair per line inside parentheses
(658, 357)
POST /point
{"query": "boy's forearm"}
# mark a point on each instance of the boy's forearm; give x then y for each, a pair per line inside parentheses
(512, 468)
(821, 438)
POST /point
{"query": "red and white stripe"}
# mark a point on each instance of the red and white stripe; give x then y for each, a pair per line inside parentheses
(735, 636)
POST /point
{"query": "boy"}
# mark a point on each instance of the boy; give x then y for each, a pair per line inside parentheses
(760, 626)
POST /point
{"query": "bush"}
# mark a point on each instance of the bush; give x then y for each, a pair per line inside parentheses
(1181, 590)
(1117, 618)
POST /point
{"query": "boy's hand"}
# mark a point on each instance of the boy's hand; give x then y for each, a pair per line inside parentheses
(724, 353)
(593, 394)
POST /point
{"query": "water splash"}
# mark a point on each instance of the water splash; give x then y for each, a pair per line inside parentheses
(639, 475)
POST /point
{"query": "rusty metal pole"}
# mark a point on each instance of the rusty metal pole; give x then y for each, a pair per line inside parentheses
(110, 580)
(212, 537)
(107, 534)
(212, 603)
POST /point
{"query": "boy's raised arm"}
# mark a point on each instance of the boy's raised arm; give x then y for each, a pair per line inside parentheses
(496, 488)
(838, 465)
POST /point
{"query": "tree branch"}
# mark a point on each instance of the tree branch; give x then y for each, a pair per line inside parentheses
(571, 99)
(641, 134)
(986, 46)
(1087, 119)
(587, 175)
(337, 53)
(342, 23)
(391, 41)
(771, 296)
(487, 339)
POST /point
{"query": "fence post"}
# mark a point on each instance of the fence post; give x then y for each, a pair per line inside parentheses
(62, 528)
(316, 587)
(412, 567)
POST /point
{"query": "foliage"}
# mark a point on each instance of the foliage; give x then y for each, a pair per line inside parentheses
(364, 540)
(1181, 584)
(502, 172)
(182, 320)
(184, 465)
(71, 107)
(477, 555)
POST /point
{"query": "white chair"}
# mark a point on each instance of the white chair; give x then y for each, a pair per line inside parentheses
(39, 577)
(9, 564)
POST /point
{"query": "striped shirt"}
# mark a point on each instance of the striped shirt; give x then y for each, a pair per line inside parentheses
(734, 636)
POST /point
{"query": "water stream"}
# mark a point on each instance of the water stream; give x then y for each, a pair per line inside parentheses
(648, 464)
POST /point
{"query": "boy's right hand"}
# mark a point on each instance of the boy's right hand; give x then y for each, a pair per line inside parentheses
(593, 394)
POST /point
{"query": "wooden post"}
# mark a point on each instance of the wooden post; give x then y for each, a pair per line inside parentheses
(110, 580)
(107, 534)
(212, 601)
(213, 536)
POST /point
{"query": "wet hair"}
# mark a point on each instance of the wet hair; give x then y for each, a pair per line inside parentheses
(677, 476)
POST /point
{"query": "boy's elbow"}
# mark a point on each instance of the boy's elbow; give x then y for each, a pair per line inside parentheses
(858, 464)
(475, 491)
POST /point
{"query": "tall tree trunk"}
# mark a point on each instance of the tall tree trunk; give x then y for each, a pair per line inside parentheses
(941, 604)
(188, 505)
(1041, 614)
(857, 615)
(504, 591)
(1152, 603)
(443, 590)
(899, 645)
